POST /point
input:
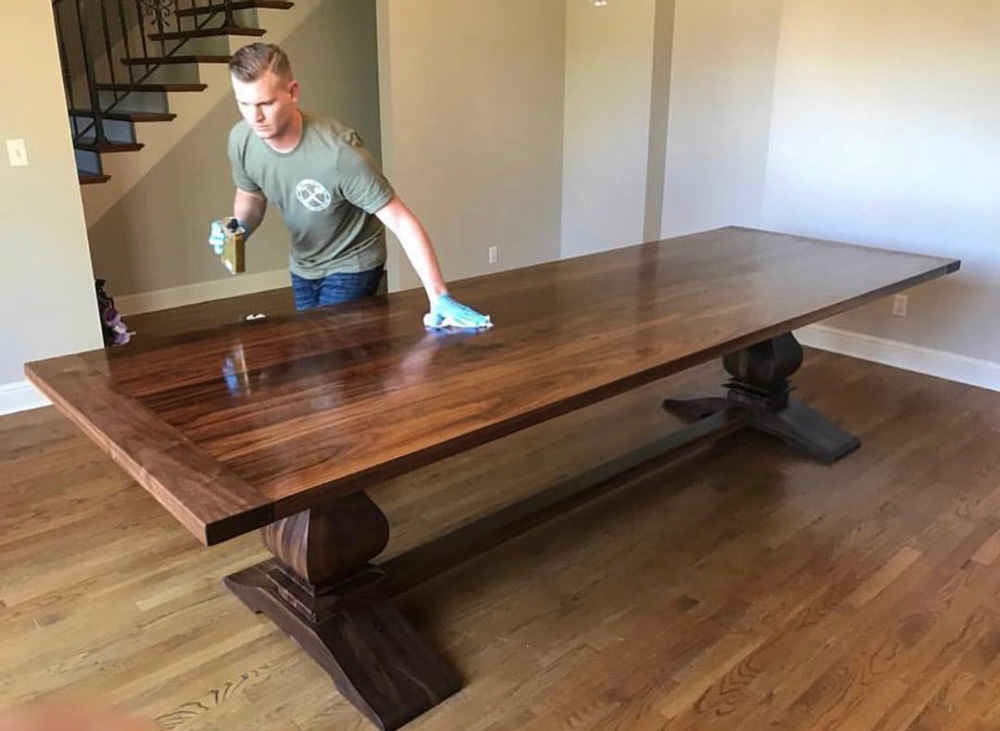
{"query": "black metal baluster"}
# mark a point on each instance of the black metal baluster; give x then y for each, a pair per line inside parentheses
(142, 28)
(230, 18)
(159, 29)
(95, 101)
(125, 42)
(67, 77)
(177, 22)
(107, 42)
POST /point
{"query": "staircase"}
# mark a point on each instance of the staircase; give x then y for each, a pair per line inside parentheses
(121, 59)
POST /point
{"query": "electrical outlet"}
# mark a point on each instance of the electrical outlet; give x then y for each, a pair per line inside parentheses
(17, 153)
(899, 304)
(493, 255)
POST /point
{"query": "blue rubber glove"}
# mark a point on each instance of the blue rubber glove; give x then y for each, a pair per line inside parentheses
(447, 312)
(217, 236)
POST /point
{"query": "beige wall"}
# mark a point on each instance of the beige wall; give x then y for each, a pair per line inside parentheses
(858, 120)
(472, 127)
(886, 131)
(721, 88)
(659, 117)
(154, 236)
(609, 78)
(46, 286)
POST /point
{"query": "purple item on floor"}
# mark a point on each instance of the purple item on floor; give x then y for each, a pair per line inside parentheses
(114, 330)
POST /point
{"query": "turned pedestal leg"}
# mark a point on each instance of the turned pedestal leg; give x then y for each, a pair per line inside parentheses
(759, 385)
(321, 590)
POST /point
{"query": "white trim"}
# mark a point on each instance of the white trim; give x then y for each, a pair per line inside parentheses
(20, 396)
(192, 294)
(950, 366)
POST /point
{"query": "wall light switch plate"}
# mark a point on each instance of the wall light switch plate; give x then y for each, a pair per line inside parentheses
(17, 152)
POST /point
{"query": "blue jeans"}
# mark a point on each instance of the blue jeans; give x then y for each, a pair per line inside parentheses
(334, 288)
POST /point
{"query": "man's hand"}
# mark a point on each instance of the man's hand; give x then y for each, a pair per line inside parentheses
(448, 312)
(217, 235)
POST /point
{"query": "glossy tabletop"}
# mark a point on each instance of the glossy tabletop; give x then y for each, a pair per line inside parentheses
(235, 427)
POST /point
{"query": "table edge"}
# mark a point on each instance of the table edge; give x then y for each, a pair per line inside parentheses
(205, 520)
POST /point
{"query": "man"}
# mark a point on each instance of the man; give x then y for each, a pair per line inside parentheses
(330, 191)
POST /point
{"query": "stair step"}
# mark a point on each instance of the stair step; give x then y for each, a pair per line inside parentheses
(244, 5)
(158, 60)
(127, 116)
(225, 30)
(91, 178)
(109, 146)
(151, 87)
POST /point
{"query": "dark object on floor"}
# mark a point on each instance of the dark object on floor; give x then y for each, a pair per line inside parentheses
(112, 328)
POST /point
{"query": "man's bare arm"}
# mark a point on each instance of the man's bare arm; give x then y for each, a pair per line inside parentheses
(445, 310)
(249, 208)
(416, 243)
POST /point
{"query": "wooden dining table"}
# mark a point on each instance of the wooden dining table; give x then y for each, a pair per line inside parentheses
(284, 424)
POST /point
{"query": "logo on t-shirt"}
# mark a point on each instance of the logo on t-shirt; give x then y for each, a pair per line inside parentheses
(313, 195)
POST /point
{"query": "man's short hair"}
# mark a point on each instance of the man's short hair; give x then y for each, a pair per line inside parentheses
(254, 60)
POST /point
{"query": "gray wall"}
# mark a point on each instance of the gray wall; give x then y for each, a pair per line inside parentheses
(609, 77)
(47, 300)
(849, 119)
(721, 91)
(154, 236)
(659, 117)
(472, 105)
(886, 131)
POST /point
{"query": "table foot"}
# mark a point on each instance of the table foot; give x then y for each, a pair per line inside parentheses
(333, 603)
(759, 387)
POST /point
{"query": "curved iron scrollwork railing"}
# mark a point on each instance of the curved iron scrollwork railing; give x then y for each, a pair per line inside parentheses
(107, 49)
(159, 10)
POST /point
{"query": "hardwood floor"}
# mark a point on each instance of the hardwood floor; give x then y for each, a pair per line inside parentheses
(748, 589)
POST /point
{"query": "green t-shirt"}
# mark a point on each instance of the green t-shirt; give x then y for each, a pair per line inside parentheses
(327, 189)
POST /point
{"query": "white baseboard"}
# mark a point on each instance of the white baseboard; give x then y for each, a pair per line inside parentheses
(971, 371)
(20, 396)
(192, 294)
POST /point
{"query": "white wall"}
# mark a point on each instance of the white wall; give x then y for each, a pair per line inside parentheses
(46, 285)
(609, 76)
(471, 103)
(722, 78)
(886, 131)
